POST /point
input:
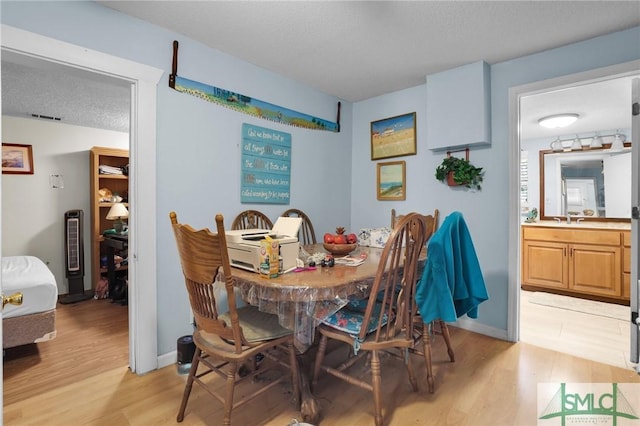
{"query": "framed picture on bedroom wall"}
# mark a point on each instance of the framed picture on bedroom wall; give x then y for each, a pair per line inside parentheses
(393, 137)
(17, 159)
(391, 184)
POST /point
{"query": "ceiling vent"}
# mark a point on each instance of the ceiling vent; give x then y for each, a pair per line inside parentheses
(46, 117)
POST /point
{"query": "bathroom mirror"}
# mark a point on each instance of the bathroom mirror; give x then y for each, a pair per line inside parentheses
(592, 184)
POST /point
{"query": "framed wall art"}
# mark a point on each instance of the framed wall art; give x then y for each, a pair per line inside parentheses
(17, 159)
(393, 137)
(391, 183)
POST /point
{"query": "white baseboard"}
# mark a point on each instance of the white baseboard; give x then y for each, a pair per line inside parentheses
(465, 323)
(476, 327)
(167, 359)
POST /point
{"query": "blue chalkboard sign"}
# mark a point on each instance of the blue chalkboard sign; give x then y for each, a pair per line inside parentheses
(266, 165)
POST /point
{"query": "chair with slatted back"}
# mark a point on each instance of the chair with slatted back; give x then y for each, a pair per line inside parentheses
(387, 320)
(306, 235)
(226, 340)
(422, 331)
(251, 219)
(431, 220)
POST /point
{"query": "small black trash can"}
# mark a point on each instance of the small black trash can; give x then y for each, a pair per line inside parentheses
(186, 349)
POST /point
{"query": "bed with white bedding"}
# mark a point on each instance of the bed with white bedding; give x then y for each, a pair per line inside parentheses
(34, 320)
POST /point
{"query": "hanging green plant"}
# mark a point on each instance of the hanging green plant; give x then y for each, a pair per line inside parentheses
(459, 171)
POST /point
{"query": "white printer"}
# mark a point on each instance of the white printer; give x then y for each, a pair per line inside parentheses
(244, 244)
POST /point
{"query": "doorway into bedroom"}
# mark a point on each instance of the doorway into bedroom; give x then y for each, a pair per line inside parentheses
(574, 325)
(91, 335)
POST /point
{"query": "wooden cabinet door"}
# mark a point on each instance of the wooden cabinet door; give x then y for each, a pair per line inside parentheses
(545, 263)
(595, 269)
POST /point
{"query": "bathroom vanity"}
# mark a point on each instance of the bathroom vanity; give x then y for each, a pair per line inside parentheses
(587, 259)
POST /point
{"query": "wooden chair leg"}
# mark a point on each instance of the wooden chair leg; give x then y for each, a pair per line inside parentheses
(376, 382)
(322, 347)
(228, 401)
(410, 371)
(426, 341)
(447, 338)
(189, 385)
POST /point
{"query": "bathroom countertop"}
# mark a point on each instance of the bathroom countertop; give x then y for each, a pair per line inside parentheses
(583, 224)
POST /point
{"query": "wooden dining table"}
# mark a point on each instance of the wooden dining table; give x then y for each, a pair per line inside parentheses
(302, 299)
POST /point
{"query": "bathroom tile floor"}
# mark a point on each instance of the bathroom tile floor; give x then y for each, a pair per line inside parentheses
(593, 337)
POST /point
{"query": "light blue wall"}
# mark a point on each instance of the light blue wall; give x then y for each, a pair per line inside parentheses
(486, 212)
(198, 156)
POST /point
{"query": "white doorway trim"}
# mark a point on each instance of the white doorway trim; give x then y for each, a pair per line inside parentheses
(143, 346)
(515, 93)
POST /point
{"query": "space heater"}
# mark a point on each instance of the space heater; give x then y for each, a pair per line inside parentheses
(74, 257)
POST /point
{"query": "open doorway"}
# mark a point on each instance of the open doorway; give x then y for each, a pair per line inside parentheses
(143, 79)
(91, 335)
(596, 332)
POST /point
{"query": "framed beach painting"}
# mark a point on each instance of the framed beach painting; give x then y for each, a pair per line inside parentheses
(391, 181)
(393, 137)
(17, 159)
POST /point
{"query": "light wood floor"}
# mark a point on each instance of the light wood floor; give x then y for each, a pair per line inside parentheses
(492, 382)
(92, 337)
(594, 337)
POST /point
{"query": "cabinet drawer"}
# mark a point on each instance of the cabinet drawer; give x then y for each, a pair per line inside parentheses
(626, 239)
(581, 236)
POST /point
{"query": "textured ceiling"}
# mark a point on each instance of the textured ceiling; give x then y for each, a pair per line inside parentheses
(352, 50)
(63, 94)
(356, 50)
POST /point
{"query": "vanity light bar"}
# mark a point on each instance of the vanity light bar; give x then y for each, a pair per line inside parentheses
(567, 144)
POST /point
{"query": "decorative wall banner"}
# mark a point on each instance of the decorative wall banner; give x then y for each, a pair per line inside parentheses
(247, 104)
(266, 165)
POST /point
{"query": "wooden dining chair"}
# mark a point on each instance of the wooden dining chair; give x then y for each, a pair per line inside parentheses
(251, 219)
(306, 235)
(431, 221)
(226, 340)
(422, 332)
(387, 321)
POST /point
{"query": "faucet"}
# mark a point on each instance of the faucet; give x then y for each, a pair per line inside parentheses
(580, 219)
(568, 217)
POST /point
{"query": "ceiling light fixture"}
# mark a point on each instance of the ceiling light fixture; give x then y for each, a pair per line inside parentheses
(558, 120)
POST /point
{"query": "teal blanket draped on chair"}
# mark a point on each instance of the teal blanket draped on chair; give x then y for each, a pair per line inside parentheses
(452, 284)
